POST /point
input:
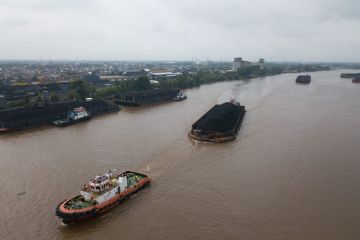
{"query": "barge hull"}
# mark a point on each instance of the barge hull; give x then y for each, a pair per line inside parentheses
(218, 134)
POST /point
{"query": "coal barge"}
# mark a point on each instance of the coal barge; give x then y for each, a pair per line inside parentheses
(102, 193)
(303, 79)
(138, 98)
(220, 124)
(350, 75)
(28, 117)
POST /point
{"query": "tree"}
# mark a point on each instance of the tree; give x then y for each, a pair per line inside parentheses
(54, 97)
(142, 83)
(81, 88)
(38, 98)
(72, 95)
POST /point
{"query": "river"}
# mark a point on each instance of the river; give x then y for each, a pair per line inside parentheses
(293, 172)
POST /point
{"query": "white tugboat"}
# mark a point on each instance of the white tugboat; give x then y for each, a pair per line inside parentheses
(180, 96)
(76, 115)
(102, 193)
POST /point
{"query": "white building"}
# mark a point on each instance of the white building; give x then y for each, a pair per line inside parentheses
(239, 63)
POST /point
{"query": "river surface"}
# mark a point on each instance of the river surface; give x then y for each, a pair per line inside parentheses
(293, 172)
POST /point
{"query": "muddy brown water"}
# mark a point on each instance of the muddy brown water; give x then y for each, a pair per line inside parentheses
(293, 172)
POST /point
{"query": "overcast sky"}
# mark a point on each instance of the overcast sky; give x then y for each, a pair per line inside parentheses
(277, 30)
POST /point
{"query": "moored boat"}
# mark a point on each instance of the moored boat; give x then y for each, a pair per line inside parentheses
(180, 96)
(304, 79)
(4, 130)
(100, 195)
(76, 115)
(356, 80)
(220, 124)
(350, 75)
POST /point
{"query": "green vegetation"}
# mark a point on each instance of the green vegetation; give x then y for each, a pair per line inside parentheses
(187, 80)
(203, 77)
(19, 103)
(141, 83)
(54, 97)
(79, 90)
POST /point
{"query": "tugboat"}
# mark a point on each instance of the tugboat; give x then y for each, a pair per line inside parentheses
(101, 194)
(356, 80)
(220, 124)
(303, 79)
(76, 115)
(180, 96)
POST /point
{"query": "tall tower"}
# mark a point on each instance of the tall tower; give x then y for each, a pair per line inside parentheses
(262, 63)
(238, 63)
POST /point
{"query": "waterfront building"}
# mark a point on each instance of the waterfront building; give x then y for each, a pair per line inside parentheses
(240, 63)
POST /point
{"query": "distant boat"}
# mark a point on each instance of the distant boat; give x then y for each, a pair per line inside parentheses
(100, 195)
(76, 115)
(304, 79)
(350, 75)
(180, 96)
(356, 80)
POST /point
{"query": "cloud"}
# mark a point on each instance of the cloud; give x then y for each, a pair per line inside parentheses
(173, 29)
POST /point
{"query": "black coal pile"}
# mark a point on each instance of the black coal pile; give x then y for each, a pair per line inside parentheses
(146, 96)
(37, 115)
(220, 118)
(303, 79)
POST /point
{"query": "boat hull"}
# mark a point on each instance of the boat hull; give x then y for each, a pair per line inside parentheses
(178, 99)
(4, 130)
(76, 215)
(67, 123)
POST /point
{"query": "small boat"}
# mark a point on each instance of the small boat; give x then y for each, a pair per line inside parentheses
(180, 96)
(76, 115)
(356, 80)
(102, 193)
(303, 79)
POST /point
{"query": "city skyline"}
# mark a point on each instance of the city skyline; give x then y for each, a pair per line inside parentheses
(304, 31)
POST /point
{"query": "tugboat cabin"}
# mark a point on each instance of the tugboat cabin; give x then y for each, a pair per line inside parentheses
(99, 183)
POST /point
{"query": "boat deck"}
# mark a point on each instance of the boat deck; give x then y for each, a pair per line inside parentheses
(79, 202)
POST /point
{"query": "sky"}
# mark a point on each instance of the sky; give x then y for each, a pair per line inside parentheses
(277, 30)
